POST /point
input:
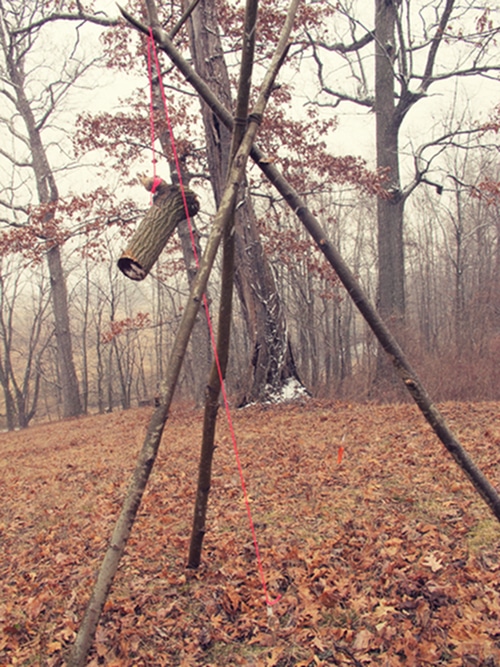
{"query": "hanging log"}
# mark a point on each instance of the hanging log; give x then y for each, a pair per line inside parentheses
(157, 226)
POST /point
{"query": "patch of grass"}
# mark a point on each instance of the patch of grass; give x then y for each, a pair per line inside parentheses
(222, 653)
(484, 535)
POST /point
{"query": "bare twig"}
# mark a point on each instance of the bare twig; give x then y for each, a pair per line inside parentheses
(80, 16)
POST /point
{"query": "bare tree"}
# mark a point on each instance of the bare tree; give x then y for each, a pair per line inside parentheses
(30, 105)
(24, 336)
(417, 46)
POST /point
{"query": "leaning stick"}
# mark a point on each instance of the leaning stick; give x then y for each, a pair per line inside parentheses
(221, 353)
(403, 367)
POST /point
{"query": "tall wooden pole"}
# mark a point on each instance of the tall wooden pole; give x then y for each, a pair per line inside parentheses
(219, 365)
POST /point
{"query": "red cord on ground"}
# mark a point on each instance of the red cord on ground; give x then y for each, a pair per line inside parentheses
(152, 49)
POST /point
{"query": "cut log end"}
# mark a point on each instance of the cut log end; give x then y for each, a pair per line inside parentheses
(131, 268)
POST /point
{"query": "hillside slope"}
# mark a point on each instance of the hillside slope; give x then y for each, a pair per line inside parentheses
(386, 558)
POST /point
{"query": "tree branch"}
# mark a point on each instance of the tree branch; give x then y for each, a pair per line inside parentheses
(340, 97)
(13, 160)
(339, 47)
(441, 143)
(173, 32)
(436, 41)
(219, 364)
(64, 86)
(67, 16)
(11, 207)
(471, 71)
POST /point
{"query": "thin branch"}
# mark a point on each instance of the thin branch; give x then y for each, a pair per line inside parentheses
(471, 71)
(442, 143)
(104, 21)
(436, 41)
(340, 97)
(339, 47)
(402, 50)
(64, 86)
(13, 160)
(11, 207)
(367, 102)
(173, 32)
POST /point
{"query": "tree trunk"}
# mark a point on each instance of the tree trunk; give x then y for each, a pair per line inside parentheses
(391, 275)
(85, 331)
(69, 382)
(271, 362)
(10, 409)
(200, 346)
(391, 294)
(48, 196)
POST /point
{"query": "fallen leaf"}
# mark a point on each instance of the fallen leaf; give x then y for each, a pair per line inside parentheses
(433, 562)
(362, 641)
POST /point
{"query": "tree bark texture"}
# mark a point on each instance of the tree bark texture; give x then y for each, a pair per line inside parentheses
(271, 361)
(68, 379)
(157, 226)
(391, 293)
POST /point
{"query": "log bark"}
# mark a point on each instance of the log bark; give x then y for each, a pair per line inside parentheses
(155, 229)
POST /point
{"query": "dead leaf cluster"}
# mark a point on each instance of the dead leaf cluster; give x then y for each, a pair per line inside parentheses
(387, 559)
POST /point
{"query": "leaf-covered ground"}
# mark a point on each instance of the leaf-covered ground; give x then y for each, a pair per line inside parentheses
(388, 558)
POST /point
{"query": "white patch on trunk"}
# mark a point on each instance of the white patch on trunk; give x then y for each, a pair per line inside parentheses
(292, 390)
